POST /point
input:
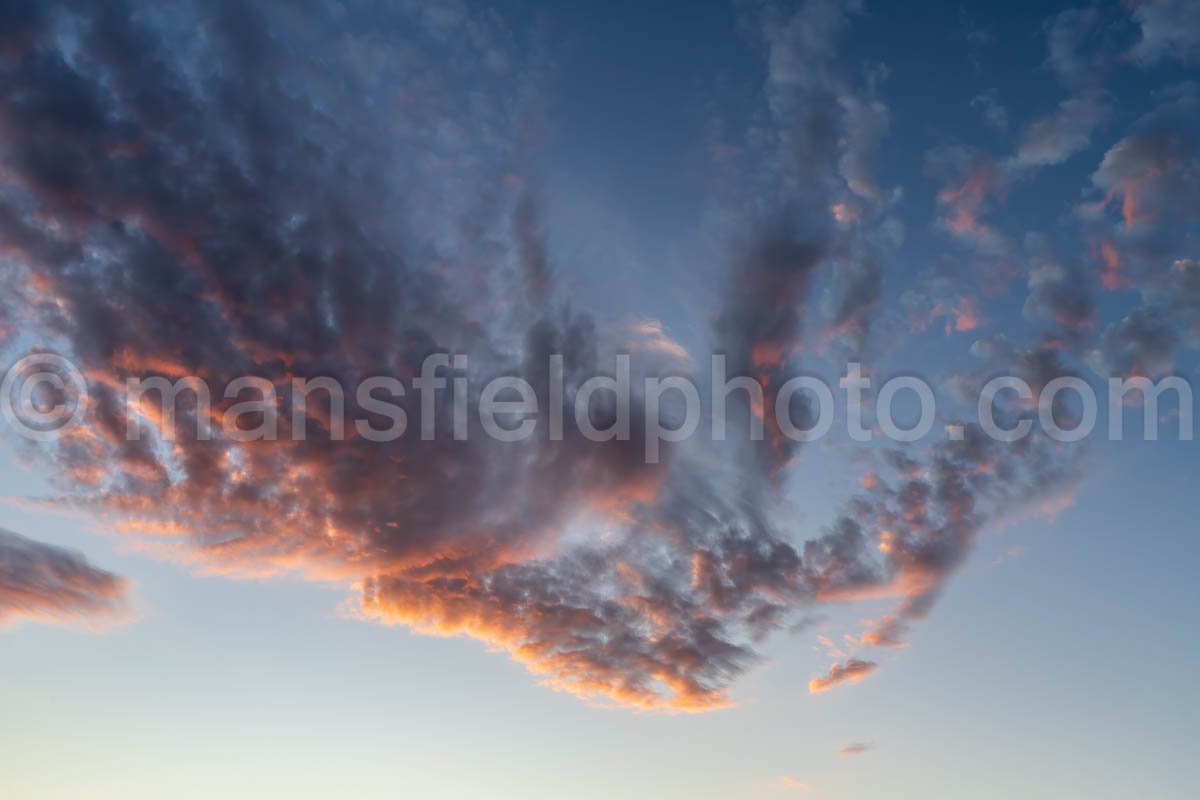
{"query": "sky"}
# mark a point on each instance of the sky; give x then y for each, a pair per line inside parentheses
(948, 192)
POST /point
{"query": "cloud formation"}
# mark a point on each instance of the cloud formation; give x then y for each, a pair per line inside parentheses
(44, 583)
(1151, 179)
(1056, 137)
(1169, 29)
(1077, 56)
(168, 216)
(852, 670)
(218, 226)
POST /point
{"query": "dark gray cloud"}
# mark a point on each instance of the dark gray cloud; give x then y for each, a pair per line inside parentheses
(789, 234)
(817, 213)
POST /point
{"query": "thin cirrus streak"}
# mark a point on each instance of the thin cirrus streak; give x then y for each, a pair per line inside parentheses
(255, 220)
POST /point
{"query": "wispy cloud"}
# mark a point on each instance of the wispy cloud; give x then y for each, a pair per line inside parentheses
(852, 670)
(792, 784)
(44, 583)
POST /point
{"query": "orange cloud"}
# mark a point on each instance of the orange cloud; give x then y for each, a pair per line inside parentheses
(1111, 277)
(572, 648)
(887, 632)
(966, 203)
(852, 670)
(965, 316)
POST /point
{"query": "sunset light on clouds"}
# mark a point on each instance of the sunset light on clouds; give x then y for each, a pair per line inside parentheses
(515, 400)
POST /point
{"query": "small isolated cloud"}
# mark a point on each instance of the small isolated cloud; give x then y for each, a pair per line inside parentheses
(1067, 130)
(855, 749)
(987, 103)
(787, 782)
(851, 670)
(49, 584)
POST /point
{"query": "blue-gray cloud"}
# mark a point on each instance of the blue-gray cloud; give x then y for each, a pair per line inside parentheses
(44, 583)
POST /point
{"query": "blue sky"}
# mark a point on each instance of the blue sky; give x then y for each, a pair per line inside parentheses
(949, 191)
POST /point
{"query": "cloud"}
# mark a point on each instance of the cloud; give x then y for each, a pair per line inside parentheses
(866, 122)
(1062, 296)
(941, 298)
(971, 185)
(855, 748)
(553, 618)
(1141, 344)
(536, 270)
(1073, 50)
(1077, 55)
(649, 336)
(181, 220)
(259, 219)
(44, 583)
(1169, 29)
(817, 147)
(852, 670)
(988, 104)
(1151, 178)
(909, 532)
(1054, 138)
(1145, 226)
(788, 782)
(759, 330)
(1184, 292)
(272, 246)
(888, 632)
